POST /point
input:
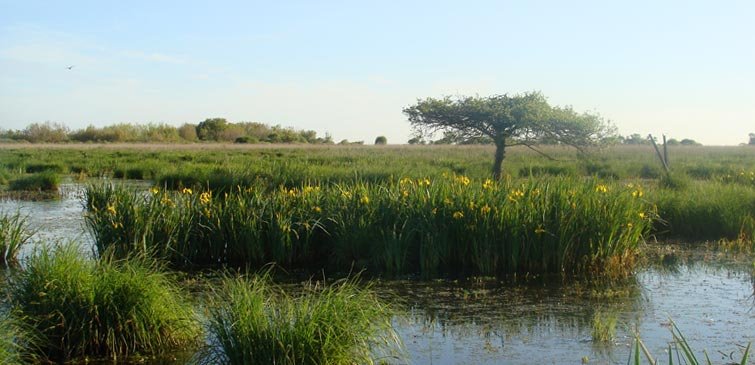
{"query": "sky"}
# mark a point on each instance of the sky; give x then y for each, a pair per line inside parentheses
(348, 68)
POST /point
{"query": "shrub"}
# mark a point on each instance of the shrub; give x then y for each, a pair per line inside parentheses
(109, 308)
(381, 140)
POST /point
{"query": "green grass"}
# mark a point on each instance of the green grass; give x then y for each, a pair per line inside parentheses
(14, 342)
(14, 234)
(109, 308)
(603, 327)
(253, 322)
(450, 225)
(43, 181)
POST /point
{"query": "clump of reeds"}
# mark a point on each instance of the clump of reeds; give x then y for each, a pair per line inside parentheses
(253, 322)
(43, 181)
(108, 308)
(603, 327)
(14, 341)
(14, 233)
(448, 225)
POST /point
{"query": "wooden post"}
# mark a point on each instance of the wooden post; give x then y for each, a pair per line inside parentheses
(665, 151)
(658, 152)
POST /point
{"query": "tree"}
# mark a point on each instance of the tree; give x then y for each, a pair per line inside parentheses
(381, 140)
(752, 139)
(522, 119)
(689, 142)
(210, 129)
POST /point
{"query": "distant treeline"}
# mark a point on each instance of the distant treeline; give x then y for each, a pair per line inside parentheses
(211, 130)
(633, 139)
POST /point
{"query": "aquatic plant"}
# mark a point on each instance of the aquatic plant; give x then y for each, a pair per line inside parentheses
(603, 327)
(679, 349)
(108, 308)
(14, 233)
(450, 225)
(43, 181)
(14, 341)
(253, 322)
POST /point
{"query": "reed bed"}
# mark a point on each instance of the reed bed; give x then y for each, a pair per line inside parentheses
(450, 225)
(81, 308)
(251, 321)
(14, 234)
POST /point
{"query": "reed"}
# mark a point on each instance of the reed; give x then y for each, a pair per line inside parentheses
(81, 308)
(14, 234)
(253, 322)
(450, 225)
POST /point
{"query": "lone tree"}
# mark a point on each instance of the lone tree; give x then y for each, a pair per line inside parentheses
(523, 119)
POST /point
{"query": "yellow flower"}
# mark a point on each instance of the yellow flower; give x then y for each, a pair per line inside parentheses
(317, 209)
(463, 180)
(186, 191)
(346, 194)
(535, 192)
(642, 215)
(166, 200)
(405, 193)
(630, 225)
(205, 197)
(458, 215)
(471, 205)
(485, 209)
(637, 194)
(447, 201)
(601, 188)
(207, 213)
(405, 181)
(365, 200)
(540, 229)
(111, 209)
(434, 211)
(488, 184)
(154, 190)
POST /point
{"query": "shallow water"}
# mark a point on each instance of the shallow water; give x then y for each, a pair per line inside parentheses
(528, 321)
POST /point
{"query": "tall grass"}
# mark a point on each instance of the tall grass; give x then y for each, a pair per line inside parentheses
(450, 225)
(14, 341)
(253, 322)
(14, 234)
(108, 308)
(706, 211)
(43, 181)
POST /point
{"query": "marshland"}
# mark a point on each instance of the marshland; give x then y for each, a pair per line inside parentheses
(227, 253)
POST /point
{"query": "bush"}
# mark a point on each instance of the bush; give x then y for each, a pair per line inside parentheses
(381, 140)
(109, 308)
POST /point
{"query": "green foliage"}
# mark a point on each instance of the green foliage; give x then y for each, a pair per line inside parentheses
(43, 181)
(254, 322)
(603, 327)
(381, 140)
(14, 233)
(525, 119)
(449, 225)
(109, 308)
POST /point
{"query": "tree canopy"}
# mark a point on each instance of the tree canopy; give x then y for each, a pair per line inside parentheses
(522, 119)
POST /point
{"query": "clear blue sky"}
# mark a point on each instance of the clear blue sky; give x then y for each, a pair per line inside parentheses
(685, 68)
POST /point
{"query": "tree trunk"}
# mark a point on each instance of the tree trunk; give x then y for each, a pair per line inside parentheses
(500, 151)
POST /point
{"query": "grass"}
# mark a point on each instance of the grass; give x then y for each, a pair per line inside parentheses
(14, 234)
(451, 225)
(43, 181)
(603, 327)
(14, 340)
(679, 349)
(109, 308)
(253, 322)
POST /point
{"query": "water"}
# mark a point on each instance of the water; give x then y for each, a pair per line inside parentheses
(530, 321)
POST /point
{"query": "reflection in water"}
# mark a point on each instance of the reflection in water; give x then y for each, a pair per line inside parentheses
(710, 297)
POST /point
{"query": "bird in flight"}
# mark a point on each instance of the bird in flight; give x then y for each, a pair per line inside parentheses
(70, 67)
